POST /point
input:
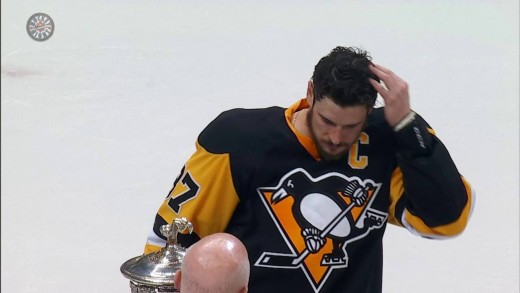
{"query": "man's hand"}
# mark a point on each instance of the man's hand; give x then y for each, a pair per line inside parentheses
(394, 92)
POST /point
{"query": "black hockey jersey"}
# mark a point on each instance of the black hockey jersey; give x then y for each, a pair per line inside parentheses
(301, 219)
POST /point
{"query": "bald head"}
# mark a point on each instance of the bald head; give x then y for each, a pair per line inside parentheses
(216, 263)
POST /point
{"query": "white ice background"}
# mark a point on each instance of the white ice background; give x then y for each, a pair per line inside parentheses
(97, 121)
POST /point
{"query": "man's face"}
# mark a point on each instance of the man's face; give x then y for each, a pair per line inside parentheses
(334, 128)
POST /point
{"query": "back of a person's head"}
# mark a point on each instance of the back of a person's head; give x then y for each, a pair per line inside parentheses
(217, 263)
(343, 75)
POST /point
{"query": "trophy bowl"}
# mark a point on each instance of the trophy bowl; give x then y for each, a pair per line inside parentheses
(155, 272)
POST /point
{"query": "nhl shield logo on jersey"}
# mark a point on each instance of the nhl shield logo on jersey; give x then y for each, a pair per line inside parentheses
(317, 218)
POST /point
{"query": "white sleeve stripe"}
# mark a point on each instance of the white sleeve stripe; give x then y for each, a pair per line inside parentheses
(153, 239)
(473, 199)
(415, 232)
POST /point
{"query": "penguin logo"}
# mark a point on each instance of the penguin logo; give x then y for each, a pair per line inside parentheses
(318, 217)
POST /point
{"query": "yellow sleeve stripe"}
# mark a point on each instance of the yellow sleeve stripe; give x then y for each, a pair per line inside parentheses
(212, 207)
(396, 190)
(417, 226)
(149, 248)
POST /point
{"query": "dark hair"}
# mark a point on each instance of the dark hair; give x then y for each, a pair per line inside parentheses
(343, 75)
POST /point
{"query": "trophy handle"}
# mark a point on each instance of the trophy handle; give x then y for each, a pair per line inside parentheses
(171, 231)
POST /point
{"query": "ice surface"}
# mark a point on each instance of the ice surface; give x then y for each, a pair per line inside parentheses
(97, 121)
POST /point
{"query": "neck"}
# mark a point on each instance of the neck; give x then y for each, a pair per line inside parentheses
(300, 121)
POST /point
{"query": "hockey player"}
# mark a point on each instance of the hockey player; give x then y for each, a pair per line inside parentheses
(309, 189)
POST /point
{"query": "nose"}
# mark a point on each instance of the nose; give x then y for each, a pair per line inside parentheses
(335, 135)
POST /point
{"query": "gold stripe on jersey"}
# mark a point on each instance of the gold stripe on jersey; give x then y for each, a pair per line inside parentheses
(149, 248)
(214, 203)
(396, 190)
(451, 229)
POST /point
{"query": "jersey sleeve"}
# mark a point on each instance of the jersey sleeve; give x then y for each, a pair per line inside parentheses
(428, 195)
(203, 193)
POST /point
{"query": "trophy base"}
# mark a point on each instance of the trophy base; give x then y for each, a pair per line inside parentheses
(138, 288)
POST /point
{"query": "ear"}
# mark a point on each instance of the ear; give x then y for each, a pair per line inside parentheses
(243, 290)
(177, 280)
(310, 92)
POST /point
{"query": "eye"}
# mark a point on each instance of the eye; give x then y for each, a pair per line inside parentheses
(327, 121)
(352, 126)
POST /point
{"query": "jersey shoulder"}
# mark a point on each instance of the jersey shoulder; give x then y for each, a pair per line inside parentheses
(242, 129)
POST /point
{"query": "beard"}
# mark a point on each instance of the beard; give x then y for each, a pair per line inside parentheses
(324, 154)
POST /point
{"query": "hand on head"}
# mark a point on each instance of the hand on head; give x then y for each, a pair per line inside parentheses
(394, 91)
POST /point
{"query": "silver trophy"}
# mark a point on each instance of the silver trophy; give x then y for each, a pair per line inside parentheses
(155, 272)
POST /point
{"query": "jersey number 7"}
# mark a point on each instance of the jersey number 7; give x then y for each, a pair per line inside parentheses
(190, 192)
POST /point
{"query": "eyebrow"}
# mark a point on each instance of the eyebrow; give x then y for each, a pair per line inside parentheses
(328, 121)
